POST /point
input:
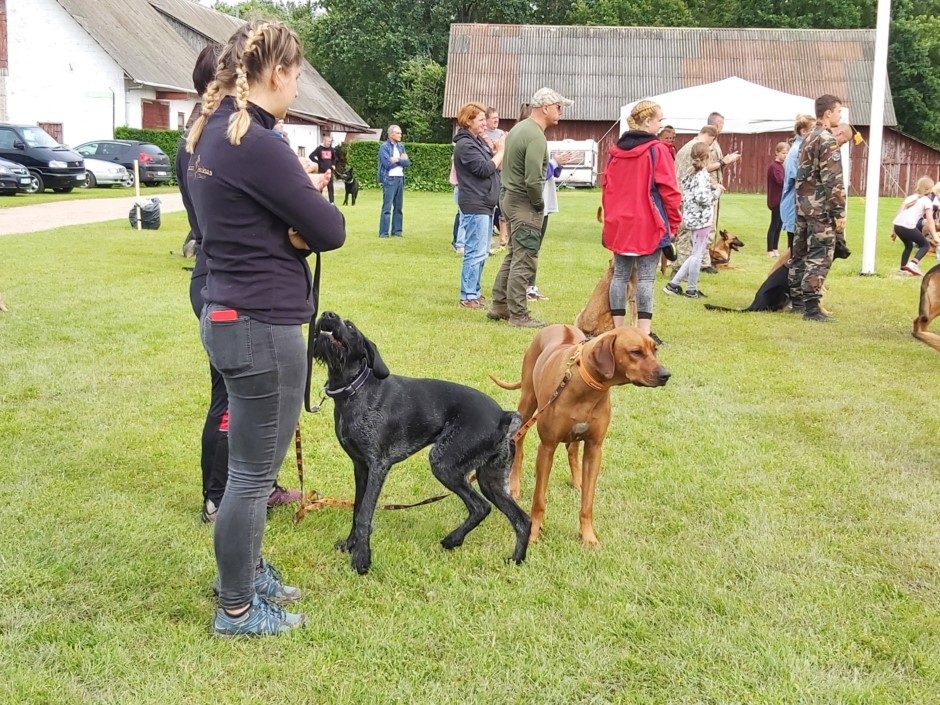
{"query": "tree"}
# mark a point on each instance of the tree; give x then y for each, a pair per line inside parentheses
(423, 100)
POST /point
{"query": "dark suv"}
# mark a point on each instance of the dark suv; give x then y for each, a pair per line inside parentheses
(154, 164)
(50, 164)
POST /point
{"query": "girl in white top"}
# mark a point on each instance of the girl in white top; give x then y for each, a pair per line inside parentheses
(915, 207)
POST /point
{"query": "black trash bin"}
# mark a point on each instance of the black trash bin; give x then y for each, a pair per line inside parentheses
(149, 214)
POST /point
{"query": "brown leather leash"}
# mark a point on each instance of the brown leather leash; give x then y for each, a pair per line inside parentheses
(574, 360)
(313, 501)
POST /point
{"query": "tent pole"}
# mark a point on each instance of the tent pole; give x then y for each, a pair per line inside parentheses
(873, 177)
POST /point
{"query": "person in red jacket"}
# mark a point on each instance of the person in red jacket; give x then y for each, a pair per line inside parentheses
(641, 210)
(774, 193)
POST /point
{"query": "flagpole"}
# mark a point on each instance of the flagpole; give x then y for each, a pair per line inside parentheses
(876, 128)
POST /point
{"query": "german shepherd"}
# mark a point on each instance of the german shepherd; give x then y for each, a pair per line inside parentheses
(725, 244)
(774, 293)
(929, 308)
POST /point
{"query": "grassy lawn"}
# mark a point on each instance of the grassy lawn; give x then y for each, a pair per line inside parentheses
(23, 199)
(768, 519)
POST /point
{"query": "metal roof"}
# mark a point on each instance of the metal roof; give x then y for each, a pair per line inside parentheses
(138, 39)
(603, 68)
(316, 98)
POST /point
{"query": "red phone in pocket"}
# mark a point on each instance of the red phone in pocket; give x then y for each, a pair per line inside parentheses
(223, 315)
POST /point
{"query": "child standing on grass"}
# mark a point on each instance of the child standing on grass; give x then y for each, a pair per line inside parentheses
(698, 214)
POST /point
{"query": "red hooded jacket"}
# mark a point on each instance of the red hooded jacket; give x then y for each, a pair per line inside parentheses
(637, 216)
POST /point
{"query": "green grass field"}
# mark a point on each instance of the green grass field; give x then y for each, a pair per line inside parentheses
(23, 199)
(769, 519)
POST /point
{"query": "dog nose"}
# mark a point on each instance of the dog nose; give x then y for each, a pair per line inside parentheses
(664, 375)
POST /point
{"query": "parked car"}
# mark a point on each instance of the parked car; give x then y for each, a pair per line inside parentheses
(100, 173)
(50, 164)
(13, 178)
(154, 164)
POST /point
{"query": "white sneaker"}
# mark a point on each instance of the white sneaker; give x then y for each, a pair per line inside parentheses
(913, 268)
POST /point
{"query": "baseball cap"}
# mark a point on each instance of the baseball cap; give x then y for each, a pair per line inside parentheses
(547, 96)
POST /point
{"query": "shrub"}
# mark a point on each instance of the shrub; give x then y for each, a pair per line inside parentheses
(429, 170)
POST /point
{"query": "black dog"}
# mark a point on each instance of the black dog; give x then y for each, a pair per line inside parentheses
(382, 419)
(774, 293)
(352, 186)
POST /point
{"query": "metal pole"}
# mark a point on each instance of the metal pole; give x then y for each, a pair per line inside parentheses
(873, 178)
(140, 224)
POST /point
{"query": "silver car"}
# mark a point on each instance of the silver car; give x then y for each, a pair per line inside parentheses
(102, 173)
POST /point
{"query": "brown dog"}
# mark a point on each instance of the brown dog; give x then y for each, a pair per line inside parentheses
(929, 308)
(580, 412)
(595, 317)
(725, 244)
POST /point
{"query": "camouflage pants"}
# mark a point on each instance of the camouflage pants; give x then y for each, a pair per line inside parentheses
(810, 258)
(684, 249)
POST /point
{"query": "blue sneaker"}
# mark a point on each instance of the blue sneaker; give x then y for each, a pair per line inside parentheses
(261, 619)
(269, 585)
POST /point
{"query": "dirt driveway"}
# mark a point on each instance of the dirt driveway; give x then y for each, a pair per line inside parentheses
(45, 216)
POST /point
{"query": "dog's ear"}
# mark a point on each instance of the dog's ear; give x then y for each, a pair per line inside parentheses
(376, 363)
(602, 356)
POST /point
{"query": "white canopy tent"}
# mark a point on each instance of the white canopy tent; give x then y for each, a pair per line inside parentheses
(748, 107)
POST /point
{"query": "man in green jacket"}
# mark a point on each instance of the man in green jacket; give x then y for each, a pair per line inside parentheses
(520, 201)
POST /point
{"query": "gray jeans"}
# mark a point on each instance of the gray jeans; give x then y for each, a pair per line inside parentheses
(646, 273)
(264, 367)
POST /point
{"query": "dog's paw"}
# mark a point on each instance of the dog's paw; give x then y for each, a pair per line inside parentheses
(590, 541)
(450, 541)
(361, 561)
(345, 545)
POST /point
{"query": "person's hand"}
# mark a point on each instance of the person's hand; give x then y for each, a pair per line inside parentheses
(320, 181)
(500, 144)
(309, 166)
(403, 156)
(730, 159)
(296, 240)
(394, 160)
(564, 157)
(840, 225)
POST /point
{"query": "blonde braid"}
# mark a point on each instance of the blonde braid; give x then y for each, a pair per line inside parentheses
(240, 120)
(210, 102)
(641, 112)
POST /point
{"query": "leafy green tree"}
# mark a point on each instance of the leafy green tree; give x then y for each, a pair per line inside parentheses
(420, 116)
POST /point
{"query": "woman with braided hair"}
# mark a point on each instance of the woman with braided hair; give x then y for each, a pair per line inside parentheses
(641, 210)
(260, 216)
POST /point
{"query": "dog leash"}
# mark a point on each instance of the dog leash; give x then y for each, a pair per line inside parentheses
(574, 360)
(312, 501)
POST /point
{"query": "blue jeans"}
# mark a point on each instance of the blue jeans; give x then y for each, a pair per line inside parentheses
(264, 367)
(392, 190)
(475, 231)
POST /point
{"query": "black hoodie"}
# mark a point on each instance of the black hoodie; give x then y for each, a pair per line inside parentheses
(245, 198)
(477, 176)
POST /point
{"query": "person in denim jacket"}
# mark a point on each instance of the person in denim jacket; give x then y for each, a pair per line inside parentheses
(393, 160)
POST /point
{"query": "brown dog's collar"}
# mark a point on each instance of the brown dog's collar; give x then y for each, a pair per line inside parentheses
(585, 375)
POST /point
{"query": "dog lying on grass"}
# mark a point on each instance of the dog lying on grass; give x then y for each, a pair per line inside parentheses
(929, 308)
(725, 244)
(381, 419)
(774, 293)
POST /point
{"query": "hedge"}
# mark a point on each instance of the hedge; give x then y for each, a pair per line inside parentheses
(429, 170)
(167, 140)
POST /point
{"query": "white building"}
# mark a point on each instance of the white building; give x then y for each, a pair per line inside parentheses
(81, 68)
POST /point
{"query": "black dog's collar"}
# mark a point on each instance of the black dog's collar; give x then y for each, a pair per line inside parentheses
(350, 388)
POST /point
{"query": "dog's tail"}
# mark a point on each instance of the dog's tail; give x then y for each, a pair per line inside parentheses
(712, 307)
(921, 333)
(507, 385)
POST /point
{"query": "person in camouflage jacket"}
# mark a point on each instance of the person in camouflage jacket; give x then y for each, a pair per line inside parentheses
(820, 210)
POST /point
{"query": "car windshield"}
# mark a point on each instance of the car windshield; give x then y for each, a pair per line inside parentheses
(38, 137)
